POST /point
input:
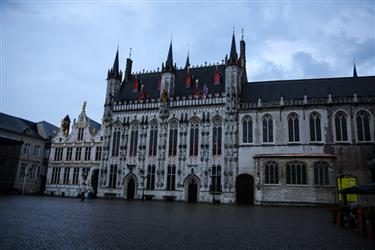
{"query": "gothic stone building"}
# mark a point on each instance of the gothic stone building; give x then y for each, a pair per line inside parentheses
(207, 134)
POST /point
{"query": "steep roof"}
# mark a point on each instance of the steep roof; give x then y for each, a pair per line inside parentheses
(22, 126)
(313, 88)
(94, 125)
(204, 74)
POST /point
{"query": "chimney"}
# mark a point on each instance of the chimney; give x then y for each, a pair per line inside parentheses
(128, 69)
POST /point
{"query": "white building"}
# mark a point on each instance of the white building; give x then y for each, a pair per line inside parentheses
(206, 134)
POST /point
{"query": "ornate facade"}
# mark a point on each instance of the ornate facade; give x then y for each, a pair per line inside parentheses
(206, 134)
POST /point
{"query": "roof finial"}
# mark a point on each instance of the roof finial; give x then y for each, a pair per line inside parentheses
(354, 70)
(233, 30)
(130, 53)
(242, 35)
(84, 106)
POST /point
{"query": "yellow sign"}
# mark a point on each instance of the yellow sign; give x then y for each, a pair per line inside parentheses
(347, 182)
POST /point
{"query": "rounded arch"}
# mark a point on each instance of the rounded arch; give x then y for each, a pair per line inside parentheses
(341, 125)
(315, 114)
(130, 184)
(192, 185)
(135, 124)
(245, 189)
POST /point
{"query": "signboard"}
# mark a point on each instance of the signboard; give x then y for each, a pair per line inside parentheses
(347, 182)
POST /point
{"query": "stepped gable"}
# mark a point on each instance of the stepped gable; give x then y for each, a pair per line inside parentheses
(204, 74)
(313, 88)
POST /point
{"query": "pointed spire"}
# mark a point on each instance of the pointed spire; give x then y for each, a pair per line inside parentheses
(355, 71)
(115, 67)
(233, 51)
(187, 64)
(115, 73)
(169, 62)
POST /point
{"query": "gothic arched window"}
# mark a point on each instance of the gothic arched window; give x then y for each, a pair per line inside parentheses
(341, 127)
(271, 173)
(171, 177)
(321, 174)
(172, 149)
(296, 173)
(115, 142)
(315, 129)
(363, 126)
(216, 137)
(247, 130)
(150, 184)
(267, 128)
(293, 127)
(194, 136)
(133, 140)
(153, 138)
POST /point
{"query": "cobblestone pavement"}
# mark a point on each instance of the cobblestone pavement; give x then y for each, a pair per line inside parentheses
(65, 223)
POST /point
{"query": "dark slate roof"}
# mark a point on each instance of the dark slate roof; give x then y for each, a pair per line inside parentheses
(22, 126)
(313, 88)
(94, 125)
(205, 75)
(49, 129)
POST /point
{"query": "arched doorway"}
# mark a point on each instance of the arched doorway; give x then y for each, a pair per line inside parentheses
(245, 189)
(94, 181)
(192, 185)
(131, 189)
(130, 184)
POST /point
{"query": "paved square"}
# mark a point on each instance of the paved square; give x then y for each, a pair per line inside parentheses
(64, 223)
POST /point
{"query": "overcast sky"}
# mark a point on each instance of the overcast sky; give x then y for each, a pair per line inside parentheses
(55, 55)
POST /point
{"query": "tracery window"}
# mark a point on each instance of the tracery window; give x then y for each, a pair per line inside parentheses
(296, 173)
(341, 126)
(153, 138)
(80, 134)
(321, 174)
(216, 178)
(133, 140)
(217, 137)
(267, 128)
(113, 176)
(315, 127)
(247, 130)
(363, 126)
(293, 127)
(172, 149)
(271, 173)
(150, 184)
(194, 135)
(171, 177)
(115, 143)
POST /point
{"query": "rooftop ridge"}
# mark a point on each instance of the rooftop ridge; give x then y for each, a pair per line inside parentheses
(308, 79)
(146, 72)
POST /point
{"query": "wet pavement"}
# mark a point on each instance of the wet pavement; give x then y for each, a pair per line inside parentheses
(63, 223)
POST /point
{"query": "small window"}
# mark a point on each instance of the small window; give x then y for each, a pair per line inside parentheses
(271, 173)
(98, 153)
(363, 126)
(321, 174)
(247, 130)
(267, 129)
(78, 153)
(341, 127)
(296, 173)
(80, 134)
(315, 129)
(293, 127)
(171, 177)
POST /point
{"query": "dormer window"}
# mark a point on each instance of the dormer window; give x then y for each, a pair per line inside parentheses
(80, 134)
(217, 78)
(188, 80)
(135, 85)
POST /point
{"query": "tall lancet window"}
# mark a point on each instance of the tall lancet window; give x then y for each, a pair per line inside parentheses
(115, 143)
(133, 140)
(153, 138)
(315, 129)
(172, 149)
(363, 126)
(341, 127)
(216, 137)
(247, 130)
(267, 128)
(293, 127)
(194, 135)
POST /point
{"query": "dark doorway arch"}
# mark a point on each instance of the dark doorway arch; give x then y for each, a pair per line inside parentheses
(131, 189)
(192, 191)
(245, 189)
(94, 181)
